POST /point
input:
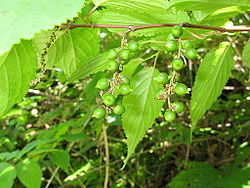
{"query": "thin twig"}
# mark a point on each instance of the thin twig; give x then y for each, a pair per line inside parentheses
(105, 138)
(187, 25)
(52, 177)
(170, 89)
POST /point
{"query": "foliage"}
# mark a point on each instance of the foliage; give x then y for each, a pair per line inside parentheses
(173, 111)
(209, 84)
(200, 174)
(38, 16)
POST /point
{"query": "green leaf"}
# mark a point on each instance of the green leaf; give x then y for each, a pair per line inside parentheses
(246, 54)
(7, 175)
(141, 107)
(75, 137)
(235, 177)
(207, 5)
(199, 174)
(71, 49)
(218, 17)
(27, 148)
(98, 2)
(139, 13)
(17, 69)
(212, 75)
(29, 173)
(35, 16)
(140, 5)
(196, 176)
(61, 158)
(5, 156)
(130, 68)
(91, 66)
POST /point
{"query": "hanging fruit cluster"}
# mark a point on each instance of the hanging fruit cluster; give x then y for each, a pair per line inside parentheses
(181, 50)
(113, 89)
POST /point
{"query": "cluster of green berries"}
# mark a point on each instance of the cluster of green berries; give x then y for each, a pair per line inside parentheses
(118, 85)
(172, 82)
(171, 87)
(172, 45)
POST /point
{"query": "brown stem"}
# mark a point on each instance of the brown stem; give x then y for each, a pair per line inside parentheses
(105, 137)
(187, 25)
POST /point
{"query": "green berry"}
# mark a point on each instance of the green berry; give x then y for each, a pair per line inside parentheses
(178, 64)
(169, 116)
(133, 46)
(119, 109)
(171, 45)
(99, 113)
(191, 53)
(161, 78)
(108, 99)
(102, 84)
(124, 79)
(178, 107)
(177, 31)
(124, 54)
(187, 44)
(181, 89)
(177, 78)
(125, 89)
(112, 54)
(113, 66)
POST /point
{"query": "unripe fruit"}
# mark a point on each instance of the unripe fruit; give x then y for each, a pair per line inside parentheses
(178, 107)
(171, 45)
(169, 116)
(178, 64)
(191, 53)
(181, 89)
(161, 78)
(124, 54)
(177, 31)
(99, 113)
(187, 44)
(119, 109)
(113, 66)
(112, 54)
(124, 79)
(108, 99)
(177, 78)
(102, 84)
(133, 46)
(125, 89)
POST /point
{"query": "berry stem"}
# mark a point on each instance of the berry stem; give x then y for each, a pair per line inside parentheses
(169, 90)
(152, 56)
(123, 41)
